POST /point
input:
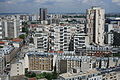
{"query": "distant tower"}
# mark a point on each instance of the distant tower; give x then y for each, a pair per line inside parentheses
(95, 25)
(43, 14)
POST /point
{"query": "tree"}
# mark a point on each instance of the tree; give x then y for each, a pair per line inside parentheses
(55, 75)
(1, 46)
(30, 74)
(22, 36)
(25, 29)
(33, 74)
(48, 76)
(40, 76)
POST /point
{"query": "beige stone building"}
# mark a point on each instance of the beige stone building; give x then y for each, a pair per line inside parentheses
(95, 25)
(40, 61)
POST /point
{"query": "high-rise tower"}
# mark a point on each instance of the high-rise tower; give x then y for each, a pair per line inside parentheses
(43, 14)
(95, 25)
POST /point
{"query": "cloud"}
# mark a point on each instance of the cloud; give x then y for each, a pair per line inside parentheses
(52, 1)
(93, 2)
(116, 1)
(11, 1)
(57, 5)
(66, 2)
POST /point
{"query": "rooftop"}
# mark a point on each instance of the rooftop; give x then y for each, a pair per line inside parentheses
(17, 40)
(7, 49)
(2, 42)
(68, 75)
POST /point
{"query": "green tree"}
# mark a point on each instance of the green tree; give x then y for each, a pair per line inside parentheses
(48, 76)
(1, 46)
(55, 75)
(22, 36)
(25, 29)
(33, 74)
(30, 74)
(40, 76)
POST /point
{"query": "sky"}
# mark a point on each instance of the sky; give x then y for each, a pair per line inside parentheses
(57, 6)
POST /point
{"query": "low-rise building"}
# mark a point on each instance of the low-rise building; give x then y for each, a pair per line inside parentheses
(17, 68)
(7, 50)
(37, 61)
(98, 51)
(80, 76)
(94, 74)
(66, 63)
(17, 42)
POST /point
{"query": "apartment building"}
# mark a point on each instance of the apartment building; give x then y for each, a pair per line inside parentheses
(43, 14)
(8, 53)
(1, 30)
(80, 41)
(66, 63)
(62, 38)
(110, 73)
(91, 74)
(41, 41)
(9, 28)
(38, 61)
(94, 74)
(54, 18)
(17, 68)
(95, 25)
(98, 51)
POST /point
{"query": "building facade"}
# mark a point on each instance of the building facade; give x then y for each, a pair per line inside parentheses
(43, 14)
(39, 61)
(41, 41)
(95, 25)
(9, 28)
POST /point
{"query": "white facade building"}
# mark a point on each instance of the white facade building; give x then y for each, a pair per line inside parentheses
(9, 28)
(95, 25)
(1, 30)
(17, 68)
(41, 41)
(80, 41)
(62, 38)
(99, 77)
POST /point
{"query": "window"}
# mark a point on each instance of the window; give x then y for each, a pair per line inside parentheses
(61, 39)
(17, 67)
(83, 77)
(65, 27)
(61, 29)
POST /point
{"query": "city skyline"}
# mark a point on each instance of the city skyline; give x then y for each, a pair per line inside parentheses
(67, 45)
(57, 6)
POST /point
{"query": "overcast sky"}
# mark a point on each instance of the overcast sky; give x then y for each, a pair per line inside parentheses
(57, 6)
